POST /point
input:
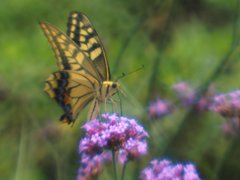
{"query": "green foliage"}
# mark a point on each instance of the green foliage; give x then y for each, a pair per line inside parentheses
(188, 41)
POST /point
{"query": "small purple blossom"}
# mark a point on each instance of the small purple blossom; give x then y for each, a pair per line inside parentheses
(227, 105)
(131, 150)
(111, 132)
(186, 93)
(231, 127)
(159, 108)
(188, 96)
(203, 103)
(92, 165)
(166, 170)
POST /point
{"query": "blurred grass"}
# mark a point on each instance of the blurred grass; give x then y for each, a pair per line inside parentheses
(34, 145)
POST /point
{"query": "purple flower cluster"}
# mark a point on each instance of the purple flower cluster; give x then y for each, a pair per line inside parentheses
(228, 105)
(159, 109)
(188, 96)
(111, 132)
(166, 170)
(231, 127)
(92, 165)
(131, 150)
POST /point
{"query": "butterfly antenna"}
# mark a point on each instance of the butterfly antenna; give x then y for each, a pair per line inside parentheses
(123, 74)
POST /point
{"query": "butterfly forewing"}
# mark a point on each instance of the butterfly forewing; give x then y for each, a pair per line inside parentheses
(81, 31)
(69, 56)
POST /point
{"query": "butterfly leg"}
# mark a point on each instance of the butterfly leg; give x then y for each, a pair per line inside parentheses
(114, 105)
(94, 110)
(110, 102)
(120, 103)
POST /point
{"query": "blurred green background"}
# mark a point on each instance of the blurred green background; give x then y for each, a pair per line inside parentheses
(193, 40)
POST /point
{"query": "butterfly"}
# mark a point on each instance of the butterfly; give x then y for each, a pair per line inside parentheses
(84, 75)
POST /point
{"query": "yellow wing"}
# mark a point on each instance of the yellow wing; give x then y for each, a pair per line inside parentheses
(77, 82)
(72, 91)
(82, 32)
(68, 54)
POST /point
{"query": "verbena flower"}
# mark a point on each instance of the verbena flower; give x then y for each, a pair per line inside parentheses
(203, 103)
(111, 132)
(231, 127)
(159, 109)
(186, 93)
(91, 166)
(166, 170)
(131, 150)
(227, 105)
(188, 96)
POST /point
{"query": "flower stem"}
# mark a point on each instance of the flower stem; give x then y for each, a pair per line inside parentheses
(114, 164)
(95, 177)
(123, 171)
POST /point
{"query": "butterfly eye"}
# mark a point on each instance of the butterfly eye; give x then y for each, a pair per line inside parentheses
(114, 85)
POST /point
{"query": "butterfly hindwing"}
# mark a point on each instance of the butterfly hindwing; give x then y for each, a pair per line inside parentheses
(72, 91)
(82, 32)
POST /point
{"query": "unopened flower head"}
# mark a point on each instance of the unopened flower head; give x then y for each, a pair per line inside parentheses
(165, 169)
(159, 109)
(203, 104)
(112, 132)
(228, 105)
(92, 165)
(186, 93)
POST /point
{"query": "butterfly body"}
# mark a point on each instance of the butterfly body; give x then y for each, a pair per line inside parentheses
(83, 75)
(107, 90)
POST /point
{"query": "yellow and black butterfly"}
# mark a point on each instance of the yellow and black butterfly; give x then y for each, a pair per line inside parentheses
(84, 74)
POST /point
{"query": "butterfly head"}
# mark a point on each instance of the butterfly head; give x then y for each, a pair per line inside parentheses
(109, 88)
(115, 85)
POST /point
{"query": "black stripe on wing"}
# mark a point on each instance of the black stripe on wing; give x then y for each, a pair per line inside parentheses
(72, 91)
(82, 32)
(69, 56)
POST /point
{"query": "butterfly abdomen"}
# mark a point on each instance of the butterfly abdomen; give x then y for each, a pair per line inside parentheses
(67, 118)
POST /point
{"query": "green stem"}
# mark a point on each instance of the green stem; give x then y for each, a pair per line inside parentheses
(95, 177)
(114, 164)
(148, 11)
(21, 154)
(225, 157)
(123, 171)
